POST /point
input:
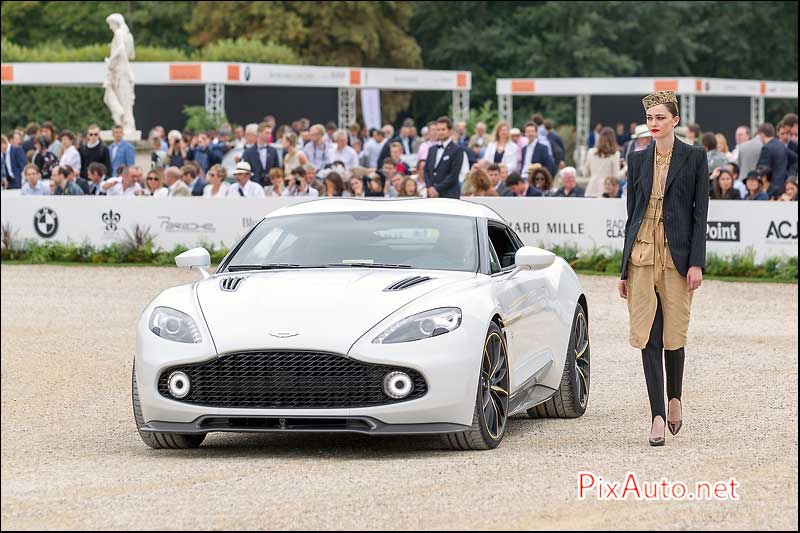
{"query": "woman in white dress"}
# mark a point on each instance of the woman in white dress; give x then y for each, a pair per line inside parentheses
(601, 161)
(216, 188)
(502, 149)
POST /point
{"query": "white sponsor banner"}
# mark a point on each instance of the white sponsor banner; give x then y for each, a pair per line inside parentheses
(260, 74)
(769, 228)
(371, 108)
(588, 223)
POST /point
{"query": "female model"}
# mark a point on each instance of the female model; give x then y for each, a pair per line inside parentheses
(664, 255)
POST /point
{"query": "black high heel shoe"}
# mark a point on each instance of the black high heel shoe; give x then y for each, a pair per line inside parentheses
(674, 427)
(656, 441)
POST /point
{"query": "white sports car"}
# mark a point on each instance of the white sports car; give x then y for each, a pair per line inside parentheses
(372, 316)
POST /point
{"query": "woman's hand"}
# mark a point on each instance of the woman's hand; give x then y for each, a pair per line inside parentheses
(623, 288)
(694, 277)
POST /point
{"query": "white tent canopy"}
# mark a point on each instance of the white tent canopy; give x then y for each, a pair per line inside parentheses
(216, 75)
(687, 89)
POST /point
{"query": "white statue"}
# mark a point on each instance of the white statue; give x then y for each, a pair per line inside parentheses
(119, 82)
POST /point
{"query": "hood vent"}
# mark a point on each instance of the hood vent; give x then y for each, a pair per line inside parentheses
(231, 283)
(406, 283)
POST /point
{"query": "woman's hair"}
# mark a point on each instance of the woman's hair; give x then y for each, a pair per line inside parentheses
(791, 180)
(672, 108)
(607, 143)
(276, 172)
(497, 128)
(765, 172)
(157, 172)
(350, 187)
(721, 141)
(220, 171)
(30, 165)
(335, 179)
(291, 137)
(404, 186)
(540, 171)
(479, 180)
(716, 189)
(42, 140)
(709, 141)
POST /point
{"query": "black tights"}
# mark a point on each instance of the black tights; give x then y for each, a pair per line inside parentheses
(653, 370)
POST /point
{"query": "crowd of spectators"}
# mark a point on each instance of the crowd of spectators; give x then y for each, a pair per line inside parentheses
(304, 159)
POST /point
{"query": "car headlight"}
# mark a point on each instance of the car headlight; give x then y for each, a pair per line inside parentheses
(421, 326)
(174, 325)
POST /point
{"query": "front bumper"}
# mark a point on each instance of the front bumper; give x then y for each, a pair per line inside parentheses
(449, 363)
(265, 424)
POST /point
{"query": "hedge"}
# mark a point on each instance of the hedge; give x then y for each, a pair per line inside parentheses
(139, 249)
(76, 107)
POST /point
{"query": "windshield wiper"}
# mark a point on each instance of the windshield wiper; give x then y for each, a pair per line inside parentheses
(368, 265)
(270, 266)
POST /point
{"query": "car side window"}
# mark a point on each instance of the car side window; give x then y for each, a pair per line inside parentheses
(494, 262)
(505, 247)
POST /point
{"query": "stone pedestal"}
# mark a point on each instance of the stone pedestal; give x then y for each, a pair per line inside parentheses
(130, 136)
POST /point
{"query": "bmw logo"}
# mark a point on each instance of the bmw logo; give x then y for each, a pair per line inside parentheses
(45, 222)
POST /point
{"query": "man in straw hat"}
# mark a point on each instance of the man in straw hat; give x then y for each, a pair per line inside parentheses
(244, 187)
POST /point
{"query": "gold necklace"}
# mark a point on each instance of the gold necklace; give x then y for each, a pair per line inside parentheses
(663, 159)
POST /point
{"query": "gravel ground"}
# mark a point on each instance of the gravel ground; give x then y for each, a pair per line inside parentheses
(71, 458)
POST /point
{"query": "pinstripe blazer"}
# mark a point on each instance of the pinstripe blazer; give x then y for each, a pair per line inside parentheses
(685, 203)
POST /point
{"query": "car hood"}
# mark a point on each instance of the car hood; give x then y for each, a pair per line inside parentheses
(308, 309)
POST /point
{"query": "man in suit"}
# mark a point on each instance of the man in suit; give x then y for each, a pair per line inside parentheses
(556, 143)
(204, 152)
(172, 178)
(194, 182)
(121, 151)
(261, 157)
(535, 152)
(15, 161)
(784, 134)
(407, 140)
(747, 152)
(496, 177)
(773, 155)
(520, 187)
(97, 175)
(444, 163)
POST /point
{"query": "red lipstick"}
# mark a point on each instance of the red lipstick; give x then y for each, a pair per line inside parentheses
(655, 130)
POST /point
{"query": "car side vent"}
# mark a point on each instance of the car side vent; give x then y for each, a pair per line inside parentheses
(231, 283)
(406, 283)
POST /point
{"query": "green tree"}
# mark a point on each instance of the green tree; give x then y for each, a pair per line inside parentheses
(594, 39)
(359, 34)
(81, 23)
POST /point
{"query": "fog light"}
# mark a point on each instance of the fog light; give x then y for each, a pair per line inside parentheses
(178, 385)
(397, 385)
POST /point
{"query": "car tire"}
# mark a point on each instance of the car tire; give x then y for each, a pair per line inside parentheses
(487, 431)
(572, 397)
(159, 441)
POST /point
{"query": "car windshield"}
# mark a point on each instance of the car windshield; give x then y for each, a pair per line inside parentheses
(361, 239)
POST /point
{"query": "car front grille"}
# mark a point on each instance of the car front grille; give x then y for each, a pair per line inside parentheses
(294, 380)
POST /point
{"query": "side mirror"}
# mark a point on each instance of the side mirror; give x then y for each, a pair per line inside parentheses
(196, 258)
(532, 258)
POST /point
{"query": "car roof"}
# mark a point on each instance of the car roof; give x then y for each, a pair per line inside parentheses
(439, 206)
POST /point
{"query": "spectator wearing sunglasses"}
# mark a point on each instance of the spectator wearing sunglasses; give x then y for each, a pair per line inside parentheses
(93, 151)
(154, 184)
